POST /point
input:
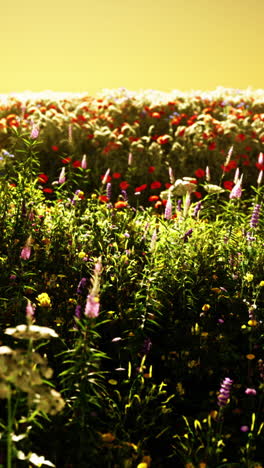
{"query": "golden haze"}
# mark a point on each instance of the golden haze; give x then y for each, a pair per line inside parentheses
(85, 46)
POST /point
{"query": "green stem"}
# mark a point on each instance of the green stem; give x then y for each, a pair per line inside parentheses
(9, 432)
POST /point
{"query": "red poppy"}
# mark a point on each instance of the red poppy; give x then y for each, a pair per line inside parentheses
(47, 190)
(76, 164)
(259, 166)
(212, 146)
(55, 148)
(163, 139)
(168, 185)
(89, 137)
(199, 173)
(124, 185)
(116, 175)
(155, 185)
(231, 165)
(140, 188)
(248, 148)
(228, 184)
(153, 198)
(240, 137)
(198, 194)
(151, 169)
(120, 204)
(66, 160)
(103, 198)
(181, 132)
(43, 178)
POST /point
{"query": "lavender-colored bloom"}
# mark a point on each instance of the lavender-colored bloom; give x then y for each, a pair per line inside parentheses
(179, 204)
(84, 162)
(81, 286)
(109, 190)
(92, 306)
(224, 393)
(236, 191)
(250, 391)
(197, 209)
(244, 428)
(62, 177)
(34, 132)
(78, 311)
(187, 234)
(250, 238)
(25, 252)
(168, 209)
(255, 216)
(124, 195)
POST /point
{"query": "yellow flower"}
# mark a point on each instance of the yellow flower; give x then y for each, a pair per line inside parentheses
(44, 300)
(248, 277)
(206, 307)
(261, 284)
(81, 254)
(252, 323)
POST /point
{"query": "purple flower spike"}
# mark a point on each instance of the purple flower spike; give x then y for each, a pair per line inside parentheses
(255, 216)
(187, 234)
(168, 209)
(109, 190)
(236, 191)
(78, 311)
(81, 286)
(224, 393)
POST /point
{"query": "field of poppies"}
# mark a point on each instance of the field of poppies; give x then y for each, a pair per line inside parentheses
(132, 282)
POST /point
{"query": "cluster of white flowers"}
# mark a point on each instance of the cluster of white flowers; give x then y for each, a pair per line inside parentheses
(26, 370)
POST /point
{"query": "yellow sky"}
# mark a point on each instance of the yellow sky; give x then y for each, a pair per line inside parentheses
(88, 45)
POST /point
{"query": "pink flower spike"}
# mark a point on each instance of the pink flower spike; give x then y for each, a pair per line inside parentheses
(30, 311)
(106, 176)
(236, 191)
(260, 158)
(62, 177)
(92, 306)
(25, 252)
(84, 162)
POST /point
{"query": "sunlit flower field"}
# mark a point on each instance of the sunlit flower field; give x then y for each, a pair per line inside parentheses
(132, 281)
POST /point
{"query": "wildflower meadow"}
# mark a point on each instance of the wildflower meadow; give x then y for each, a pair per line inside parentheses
(132, 280)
